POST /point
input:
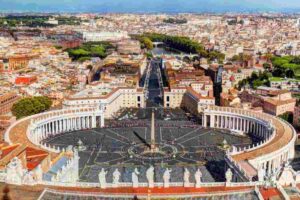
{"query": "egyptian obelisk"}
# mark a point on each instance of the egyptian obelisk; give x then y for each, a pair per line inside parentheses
(152, 145)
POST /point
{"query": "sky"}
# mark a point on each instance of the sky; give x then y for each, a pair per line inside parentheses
(137, 6)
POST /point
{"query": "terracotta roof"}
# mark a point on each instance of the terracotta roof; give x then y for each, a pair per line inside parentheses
(279, 102)
(17, 135)
(34, 157)
(197, 95)
(270, 193)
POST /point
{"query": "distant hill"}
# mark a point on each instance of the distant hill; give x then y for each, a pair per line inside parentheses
(149, 6)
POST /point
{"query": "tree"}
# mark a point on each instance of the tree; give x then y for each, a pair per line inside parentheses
(147, 42)
(254, 76)
(30, 106)
(267, 66)
(257, 83)
(89, 67)
(288, 116)
(290, 73)
(279, 72)
(183, 44)
(268, 57)
(88, 50)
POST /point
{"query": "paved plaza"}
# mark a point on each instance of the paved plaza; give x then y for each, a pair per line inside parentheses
(182, 142)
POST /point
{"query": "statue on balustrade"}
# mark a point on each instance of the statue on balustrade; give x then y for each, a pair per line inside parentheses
(15, 171)
(228, 176)
(116, 178)
(166, 177)
(28, 178)
(39, 173)
(186, 178)
(198, 176)
(135, 178)
(102, 178)
(150, 176)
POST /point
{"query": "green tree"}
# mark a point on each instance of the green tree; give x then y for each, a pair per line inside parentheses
(30, 106)
(147, 43)
(288, 116)
(267, 66)
(290, 73)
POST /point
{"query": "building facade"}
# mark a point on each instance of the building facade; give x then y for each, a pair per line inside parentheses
(6, 102)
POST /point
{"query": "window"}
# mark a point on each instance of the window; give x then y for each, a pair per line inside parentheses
(139, 98)
(168, 98)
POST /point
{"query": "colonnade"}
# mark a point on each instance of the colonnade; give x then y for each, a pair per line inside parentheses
(42, 127)
(263, 126)
(238, 123)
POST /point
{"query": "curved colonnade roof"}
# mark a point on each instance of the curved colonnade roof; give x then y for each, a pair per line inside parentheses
(17, 135)
(284, 134)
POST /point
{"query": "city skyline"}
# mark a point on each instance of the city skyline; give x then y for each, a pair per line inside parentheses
(150, 99)
(155, 6)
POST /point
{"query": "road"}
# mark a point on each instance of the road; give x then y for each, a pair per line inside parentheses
(155, 86)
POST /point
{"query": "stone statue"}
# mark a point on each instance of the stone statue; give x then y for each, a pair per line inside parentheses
(135, 178)
(15, 172)
(166, 177)
(150, 176)
(228, 176)
(102, 178)
(116, 178)
(186, 178)
(39, 173)
(28, 178)
(198, 176)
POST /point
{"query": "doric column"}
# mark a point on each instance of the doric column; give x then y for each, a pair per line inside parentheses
(53, 127)
(73, 123)
(64, 125)
(44, 129)
(68, 124)
(204, 123)
(88, 122)
(93, 121)
(221, 121)
(79, 123)
(83, 122)
(61, 126)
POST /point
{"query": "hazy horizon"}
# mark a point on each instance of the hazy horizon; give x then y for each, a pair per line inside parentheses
(150, 6)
